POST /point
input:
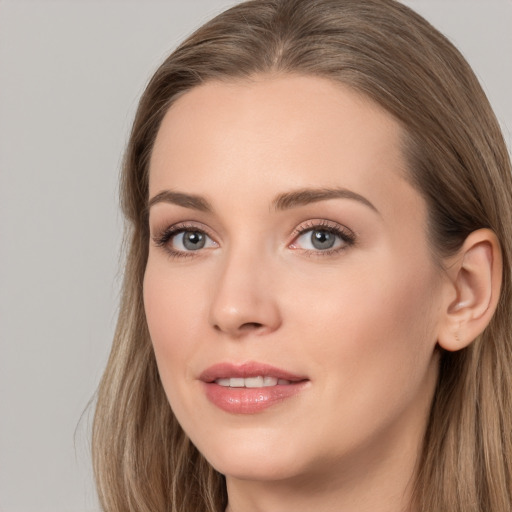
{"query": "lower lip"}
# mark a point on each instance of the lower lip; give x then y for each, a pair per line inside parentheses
(250, 400)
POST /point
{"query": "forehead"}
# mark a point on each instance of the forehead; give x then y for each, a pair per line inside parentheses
(277, 132)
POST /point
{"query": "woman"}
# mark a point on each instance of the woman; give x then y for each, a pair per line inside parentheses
(316, 307)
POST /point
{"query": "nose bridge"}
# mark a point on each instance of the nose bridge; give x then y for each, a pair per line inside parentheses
(242, 297)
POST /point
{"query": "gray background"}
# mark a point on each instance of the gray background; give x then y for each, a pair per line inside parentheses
(70, 76)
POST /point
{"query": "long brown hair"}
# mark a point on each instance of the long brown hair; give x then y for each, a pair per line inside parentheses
(458, 161)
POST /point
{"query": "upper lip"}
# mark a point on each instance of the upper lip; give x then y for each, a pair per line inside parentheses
(248, 369)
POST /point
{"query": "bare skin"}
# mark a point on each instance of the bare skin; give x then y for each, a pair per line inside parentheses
(247, 273)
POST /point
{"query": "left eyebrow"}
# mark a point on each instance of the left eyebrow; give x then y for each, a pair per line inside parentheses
(306, 196)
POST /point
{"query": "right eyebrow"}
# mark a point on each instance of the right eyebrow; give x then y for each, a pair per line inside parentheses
(181, 199)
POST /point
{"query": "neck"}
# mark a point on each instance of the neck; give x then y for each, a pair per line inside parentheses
(385, 487)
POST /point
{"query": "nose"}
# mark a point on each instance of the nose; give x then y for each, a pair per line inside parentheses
(243, 299)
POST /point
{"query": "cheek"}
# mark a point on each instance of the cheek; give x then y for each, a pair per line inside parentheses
(173, 313)
(374, 331)
(384, 296)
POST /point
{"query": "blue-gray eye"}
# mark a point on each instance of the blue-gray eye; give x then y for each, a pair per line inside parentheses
(322, 239)
(191, 241)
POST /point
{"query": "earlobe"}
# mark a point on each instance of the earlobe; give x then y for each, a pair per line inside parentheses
(473, 289)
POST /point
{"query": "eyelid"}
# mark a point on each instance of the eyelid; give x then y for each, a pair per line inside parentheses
(181, 226)
(321, 224)
(163, 236)
(347, 235)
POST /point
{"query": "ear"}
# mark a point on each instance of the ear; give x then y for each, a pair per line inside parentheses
(472, 290)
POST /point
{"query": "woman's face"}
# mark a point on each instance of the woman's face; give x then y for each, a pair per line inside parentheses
(291, 297)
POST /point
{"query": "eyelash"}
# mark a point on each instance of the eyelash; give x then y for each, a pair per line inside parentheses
(162, 239)
(346, 235)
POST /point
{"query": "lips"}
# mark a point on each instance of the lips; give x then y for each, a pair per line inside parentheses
(250, 387)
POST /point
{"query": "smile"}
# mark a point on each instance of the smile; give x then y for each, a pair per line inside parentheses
(249, 388)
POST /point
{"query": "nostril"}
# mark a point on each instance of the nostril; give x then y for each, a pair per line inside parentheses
(250, 326)
(246, 327)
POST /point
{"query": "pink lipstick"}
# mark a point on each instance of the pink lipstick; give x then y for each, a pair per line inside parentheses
(250, 387)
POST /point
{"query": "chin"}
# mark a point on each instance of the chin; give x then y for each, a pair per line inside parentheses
(262, 469)
(255, 457)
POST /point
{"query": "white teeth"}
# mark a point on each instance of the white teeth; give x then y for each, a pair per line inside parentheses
(252, 382)
(269, 381)
(236, 382)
